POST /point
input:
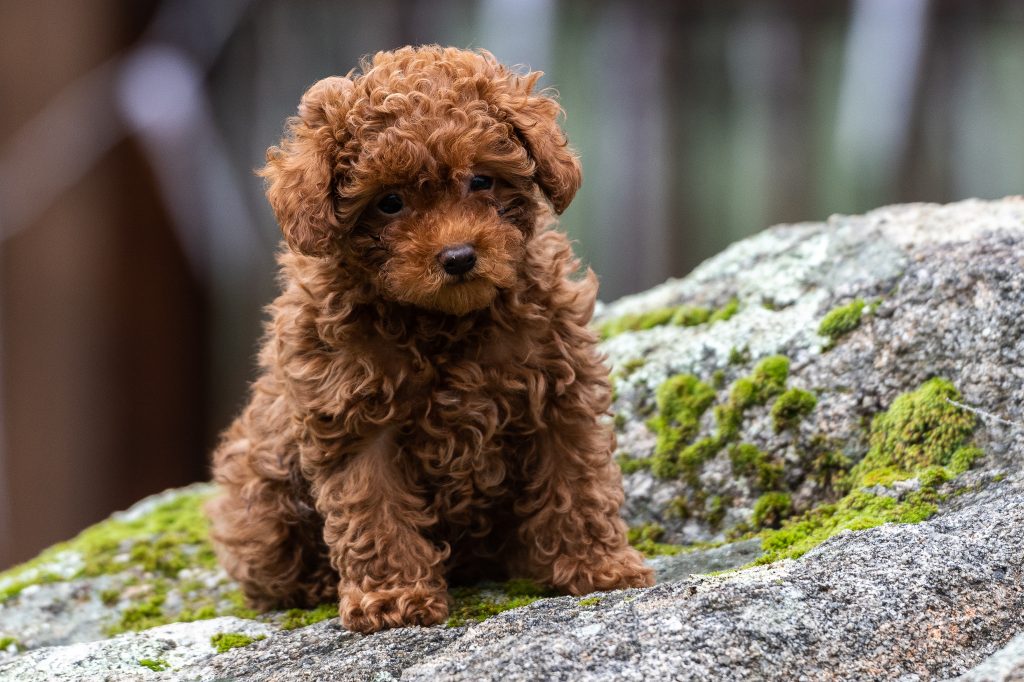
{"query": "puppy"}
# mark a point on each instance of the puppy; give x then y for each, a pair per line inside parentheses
(430, 401)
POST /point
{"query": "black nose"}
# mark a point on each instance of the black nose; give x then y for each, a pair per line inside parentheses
(457, 260)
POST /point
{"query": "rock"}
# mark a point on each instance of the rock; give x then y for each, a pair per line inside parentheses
(1005, 664)
(681, 566)
(836, 403)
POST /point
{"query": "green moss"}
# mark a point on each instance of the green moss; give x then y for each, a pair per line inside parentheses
(7, 642)
(156, 665)
(747, 460)
(110, 597)
(524, 587)
(771, 508)
(630, 465)
(636, 322)
(483, 609)
(678, 508)
(171, 537)
(204, 613)
(770, 377)
(790, 407)
(149, 551)
(646, 539)
(856, 511)
(226, 641)
(963, 458)
(476, 604)
(921, 435)
(648, 532)
(619, 421)
(715, 509)
(684, 316)
(681, 400)
(919, 430)
(739, 356)
(630, 366)
(767, 380)
(690, 316)
(727, 311)
(300, 618)
(842, 320)
(829, 466)
(589, 601)
(729, 418)
(141, 616)
(693, 456)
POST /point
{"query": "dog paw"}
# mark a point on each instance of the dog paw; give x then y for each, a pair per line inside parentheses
(616, 571)
(391, 608)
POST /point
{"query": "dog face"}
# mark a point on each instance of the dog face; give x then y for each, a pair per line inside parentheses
(424, 174)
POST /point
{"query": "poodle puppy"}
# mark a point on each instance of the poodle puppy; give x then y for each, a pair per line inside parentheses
(430, 402)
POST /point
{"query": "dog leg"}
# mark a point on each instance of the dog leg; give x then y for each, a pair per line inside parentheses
(391, 575)
(572, 534)
(264, 529)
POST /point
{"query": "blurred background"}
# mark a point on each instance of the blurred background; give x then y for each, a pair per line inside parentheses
(136, 248)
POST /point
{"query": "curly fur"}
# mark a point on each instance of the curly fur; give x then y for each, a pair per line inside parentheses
(411, 427)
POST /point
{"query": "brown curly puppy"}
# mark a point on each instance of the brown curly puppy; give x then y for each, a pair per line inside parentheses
(430, 400)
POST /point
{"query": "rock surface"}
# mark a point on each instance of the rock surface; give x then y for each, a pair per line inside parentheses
(942, 297)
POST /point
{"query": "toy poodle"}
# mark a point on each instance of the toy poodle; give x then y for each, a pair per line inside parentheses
(430, 399)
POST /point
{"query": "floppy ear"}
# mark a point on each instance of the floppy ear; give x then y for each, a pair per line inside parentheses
(535, 119)
(300, 173)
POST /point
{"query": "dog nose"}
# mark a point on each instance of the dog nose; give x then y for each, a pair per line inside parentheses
(457, 260)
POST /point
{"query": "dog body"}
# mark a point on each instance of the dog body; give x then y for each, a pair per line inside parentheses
(430, 399)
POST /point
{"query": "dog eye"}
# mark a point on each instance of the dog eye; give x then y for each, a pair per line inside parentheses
(390, 204)
(481, 182)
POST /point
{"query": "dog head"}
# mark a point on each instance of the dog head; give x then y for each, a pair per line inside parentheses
(423, 173)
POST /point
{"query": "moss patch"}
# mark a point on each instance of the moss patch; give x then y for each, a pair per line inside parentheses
(919, 430)
(589, 601)
(147, 554)
(682, 400)
(747, 460)
(156, 665)
(842, 320)
(771, 508)
(300, 618)
(226, 641)
(790, 407)
(630, 465)
(7, 642)
(171, 537)
(727, 311)
(921, 435)
(478, 603)
(646, 539)
(767, 380)
(683, 316)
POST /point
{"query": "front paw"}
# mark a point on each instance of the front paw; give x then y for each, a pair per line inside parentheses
(615, 571)
(391, 608)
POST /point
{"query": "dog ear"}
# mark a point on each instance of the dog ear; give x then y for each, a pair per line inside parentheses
(535, 119)
(300, 173)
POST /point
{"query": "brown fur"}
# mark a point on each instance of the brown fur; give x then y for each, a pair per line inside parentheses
(409, 426)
